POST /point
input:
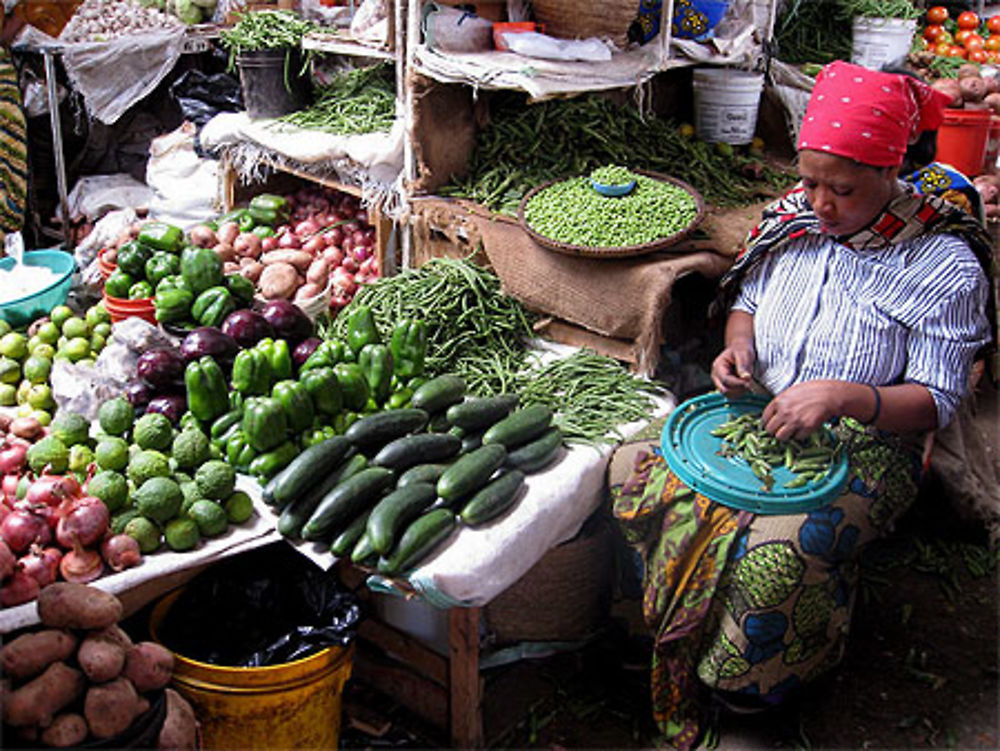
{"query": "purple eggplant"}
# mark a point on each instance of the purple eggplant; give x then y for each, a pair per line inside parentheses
(139, 394)
(247, 327)
(208, 340)
(288, 320)
(161, 366)
(305, 348)
(171, 406)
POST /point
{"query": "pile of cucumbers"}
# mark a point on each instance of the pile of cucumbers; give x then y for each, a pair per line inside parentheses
(396, 484)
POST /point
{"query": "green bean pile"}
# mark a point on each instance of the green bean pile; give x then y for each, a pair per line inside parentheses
(572, 212)
(808, 31)
(809, 460)
(356, 101)
(903, 9)
(612, 175)
(265, 30)
(529, 144)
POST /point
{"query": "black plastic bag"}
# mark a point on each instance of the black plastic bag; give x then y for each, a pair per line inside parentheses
(266, 607)
(202, 96)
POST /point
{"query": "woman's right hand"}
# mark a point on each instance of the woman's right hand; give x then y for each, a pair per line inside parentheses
(732, 370)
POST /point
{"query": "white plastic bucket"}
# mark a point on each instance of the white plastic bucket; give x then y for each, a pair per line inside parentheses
(726, 102)
(877, 41)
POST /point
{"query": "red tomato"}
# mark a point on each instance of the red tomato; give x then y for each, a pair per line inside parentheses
(968, 20)
(961, 35)
(933, 31)
(993, 24)
(973, 42)
(956, 51)
(937, 14)
(945, 37)
(992, 43)
(943, 49)
(978, 56)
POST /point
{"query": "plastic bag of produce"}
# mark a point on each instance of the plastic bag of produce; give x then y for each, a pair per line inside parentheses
(184, 185)
(454, 30)
(202, 96)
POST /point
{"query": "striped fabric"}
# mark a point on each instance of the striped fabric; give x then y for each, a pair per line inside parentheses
(13, 149)
(913, 312)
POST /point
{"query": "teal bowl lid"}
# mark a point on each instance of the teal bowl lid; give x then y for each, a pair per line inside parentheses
(693, 454)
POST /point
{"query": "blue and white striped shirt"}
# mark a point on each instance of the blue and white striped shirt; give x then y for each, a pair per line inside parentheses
(913, 312)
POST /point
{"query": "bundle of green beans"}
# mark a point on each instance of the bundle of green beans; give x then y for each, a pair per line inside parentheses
(903, 9)
(525, 145)
(265, 30)
(814, 31)
(809, 459)
(357, 101)
(571, 211)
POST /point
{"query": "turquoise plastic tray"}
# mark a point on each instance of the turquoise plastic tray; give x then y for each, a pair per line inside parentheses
(693, 454)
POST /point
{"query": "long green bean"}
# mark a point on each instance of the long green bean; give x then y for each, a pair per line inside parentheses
(266, 30)
(356, 101)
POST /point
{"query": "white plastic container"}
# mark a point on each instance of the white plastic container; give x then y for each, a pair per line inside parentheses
(726, 103)
(877, 41)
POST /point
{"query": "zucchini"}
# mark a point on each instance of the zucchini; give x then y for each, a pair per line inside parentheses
(396, 510)
(382, 427)
(534, 455)
(470, 472)
(479, 413)
(298, 511)
(418, 541)
(347, 499)
(305, 470)
(494, 499)
(363, 552)
(519, 427)
(421, 473)
(344, 542)
(421, 448)
(439, 393)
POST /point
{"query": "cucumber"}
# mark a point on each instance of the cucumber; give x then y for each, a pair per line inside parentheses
(344, 542)
(494, 499)
(305, 470)
(470, 472)
(439, 424)
(363, 551)
(421, 473)
(222, 424)
(472, 441)
(534, 455)
(382, 427)
(418, 541)
(479, 413)
(347, 499)
(395, 511)
(519, 427)
(421, 448)
(298, 511)
(439, 393)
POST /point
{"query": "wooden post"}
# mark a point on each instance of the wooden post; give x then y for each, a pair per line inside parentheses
(465, 687)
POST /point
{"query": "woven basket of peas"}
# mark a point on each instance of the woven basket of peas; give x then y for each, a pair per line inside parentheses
(566, 215)
(580, 19)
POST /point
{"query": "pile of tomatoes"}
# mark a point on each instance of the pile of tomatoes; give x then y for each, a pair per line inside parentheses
(967, 36)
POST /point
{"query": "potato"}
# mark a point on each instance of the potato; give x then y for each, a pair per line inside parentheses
(180, 728)
(71, 605)
(203, 236)
(149, 665)
(100, 659)
(66, 730)
(30, 654)
(297, 258)
(28, 428)
(251, 270)
(38, 700)
(278, 280)
(307, 291)
(110, 707)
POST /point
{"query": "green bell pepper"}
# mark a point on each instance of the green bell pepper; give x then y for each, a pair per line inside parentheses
(239, 452)
(264, 217)
(161, 236)
(269, 202)
(118, 283)
(262, 231)
(140, 291)
(172, 305)
(399, 398)
(132, 257)
(326, 355)
(240, 288)
(207, 393)
(353, 385)
(175, 281)
(232, 216)
(314, 436)
(298, 405)
(269, 464)
(251, 372)
(236, 400)
(161, 265)
(361, 329)
(264, 423)
(211, 307)
(278, 355)
(189, 422)
(324, 388)
(375, 361)
(345, 420)
(247, 222)
(408, 344)
(201, 269)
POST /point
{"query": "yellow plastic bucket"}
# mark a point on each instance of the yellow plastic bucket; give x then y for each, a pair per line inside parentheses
(291, 706)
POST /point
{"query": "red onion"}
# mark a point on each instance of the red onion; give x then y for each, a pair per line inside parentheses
(334, 236)
(121, 552)
(361, 216)
(307, 227)
(80, 565)
(346, 211)
(84, 520)
(20, 588)
(322, 205)
(8, 486)
(369, 266)
(20, 528)
(343, 281)
(42, 565)
(268, 244)
(7, 560)
(51, 490)
(347, 245)
(12, 458)
(361, 253)
(349, 264)
(333, 255)
(350, 227)
(289, 242)
(314, 245)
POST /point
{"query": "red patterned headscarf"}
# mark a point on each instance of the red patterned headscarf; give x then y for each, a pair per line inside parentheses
(867, 115)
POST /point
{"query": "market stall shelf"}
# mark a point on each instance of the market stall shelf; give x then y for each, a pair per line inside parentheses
(336, 42)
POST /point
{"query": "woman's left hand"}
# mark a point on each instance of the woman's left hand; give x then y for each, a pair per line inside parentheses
(800, 409)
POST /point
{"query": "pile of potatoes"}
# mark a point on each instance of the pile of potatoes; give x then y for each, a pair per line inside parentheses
(80, 678)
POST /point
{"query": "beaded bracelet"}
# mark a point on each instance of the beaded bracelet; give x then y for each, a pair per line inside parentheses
(878, 405)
